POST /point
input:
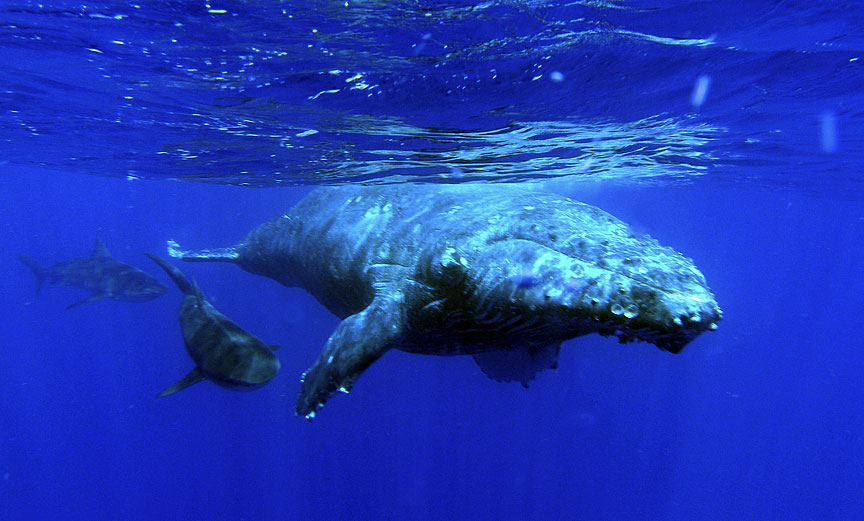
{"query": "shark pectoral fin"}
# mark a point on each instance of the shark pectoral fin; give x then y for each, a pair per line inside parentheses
(358, 341)
(518, 365)
(92, 298)
(193, 377)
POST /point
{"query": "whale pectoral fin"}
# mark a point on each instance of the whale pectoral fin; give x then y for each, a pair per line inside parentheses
(518, 365)
(358, 341)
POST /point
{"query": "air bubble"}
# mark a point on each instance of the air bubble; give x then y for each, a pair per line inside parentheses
(700, 90)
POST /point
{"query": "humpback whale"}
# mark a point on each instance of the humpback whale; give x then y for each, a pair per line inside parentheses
(99, 274)
(223, 353)
(500, 273)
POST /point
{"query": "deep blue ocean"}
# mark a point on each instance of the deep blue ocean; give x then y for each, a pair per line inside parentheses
(730, 131)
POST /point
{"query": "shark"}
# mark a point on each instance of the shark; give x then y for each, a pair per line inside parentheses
(100, 274)
(501, 274)
(222, 352)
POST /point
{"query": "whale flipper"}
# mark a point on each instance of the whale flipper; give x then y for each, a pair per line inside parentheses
(518, 365)
(358, 341)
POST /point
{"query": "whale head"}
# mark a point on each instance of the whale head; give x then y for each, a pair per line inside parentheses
(523, 292)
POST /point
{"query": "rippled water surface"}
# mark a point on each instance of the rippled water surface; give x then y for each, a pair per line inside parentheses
(268, 92)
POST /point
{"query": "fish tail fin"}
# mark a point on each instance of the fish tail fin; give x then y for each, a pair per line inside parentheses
(37, 269)
(209, 255)
(176, 275)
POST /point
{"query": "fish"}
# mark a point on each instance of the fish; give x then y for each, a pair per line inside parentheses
(222, 352)
(502, 274)
(99, 274)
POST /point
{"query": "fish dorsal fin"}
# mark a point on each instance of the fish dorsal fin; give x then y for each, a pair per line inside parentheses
(193, 377)
(100, 251)
(518, 365)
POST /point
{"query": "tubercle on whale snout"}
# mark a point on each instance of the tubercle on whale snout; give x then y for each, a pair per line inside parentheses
(620, 306)
(666, 325)
(672, 340)
(567, 297)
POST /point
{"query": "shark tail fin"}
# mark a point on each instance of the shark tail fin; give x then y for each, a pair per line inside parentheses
(176, 275)
(37, 269)
(209, 255)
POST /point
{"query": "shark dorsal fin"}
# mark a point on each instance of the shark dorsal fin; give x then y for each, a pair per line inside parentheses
(99, 250)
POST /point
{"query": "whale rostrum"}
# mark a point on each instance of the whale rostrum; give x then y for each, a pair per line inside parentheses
(497, 272)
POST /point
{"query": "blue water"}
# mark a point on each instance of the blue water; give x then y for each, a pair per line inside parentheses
(729, 131)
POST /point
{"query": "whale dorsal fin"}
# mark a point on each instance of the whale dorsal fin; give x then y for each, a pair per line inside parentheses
(518, 365)
(358, 341)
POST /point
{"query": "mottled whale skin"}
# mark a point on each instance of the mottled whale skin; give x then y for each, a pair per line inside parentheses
(99, 274)
(498, 272)
(222, 352)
